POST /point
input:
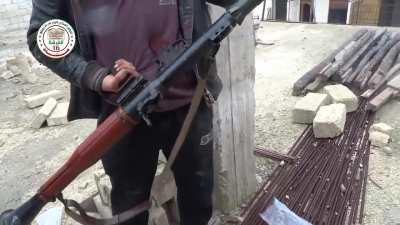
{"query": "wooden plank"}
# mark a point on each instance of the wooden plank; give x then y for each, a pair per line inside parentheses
(242, 52)
(234, 118)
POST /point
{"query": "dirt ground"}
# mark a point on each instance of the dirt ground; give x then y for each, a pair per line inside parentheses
(28, 156)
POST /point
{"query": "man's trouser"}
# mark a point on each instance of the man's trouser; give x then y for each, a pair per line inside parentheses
(132, 164)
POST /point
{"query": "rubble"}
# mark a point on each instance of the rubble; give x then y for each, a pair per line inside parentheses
(379, 139)
(306, 109)
(6, 75)
(330, 121)
(38, 100)
(59, 115)
(158, 216)
(382, 127)
(44, 113)
(341, 94)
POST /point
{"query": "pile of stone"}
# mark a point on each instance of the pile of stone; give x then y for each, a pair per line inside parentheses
(326, 111)
(51, 112)
(19, 65)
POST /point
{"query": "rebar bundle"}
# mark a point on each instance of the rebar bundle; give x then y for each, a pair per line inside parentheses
(327, 182)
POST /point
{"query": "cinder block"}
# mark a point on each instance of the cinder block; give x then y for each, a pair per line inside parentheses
(379, 139)
(341, 94)
(38, 100)
(59, 115)
(44, 113)
(330, 121)
(306, 109)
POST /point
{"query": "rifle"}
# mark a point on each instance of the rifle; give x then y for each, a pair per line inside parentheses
(135, 101)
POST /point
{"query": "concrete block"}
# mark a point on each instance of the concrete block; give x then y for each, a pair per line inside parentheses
(44, 113)
(306, 109)
(341, 94)
(382, 127)
(59, 115)
(330, 121)
(38, 100)
(379, 139)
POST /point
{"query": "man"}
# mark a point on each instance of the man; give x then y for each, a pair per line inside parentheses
(117, 39)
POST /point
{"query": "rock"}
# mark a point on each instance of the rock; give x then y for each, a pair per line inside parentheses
(38, 100)
(102, 209)
(388, 151)
(382, 127)
(44, 113)
(59, 115)
(7, 75)
(158, 216)
(379, 139)
(330, 121)
(341, 94)
(306, 109)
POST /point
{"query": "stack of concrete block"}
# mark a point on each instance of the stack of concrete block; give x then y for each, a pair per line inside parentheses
(341, 94)
(380, 134)
(306, 109)
(38, 100)
(52, 112)
(330, 121)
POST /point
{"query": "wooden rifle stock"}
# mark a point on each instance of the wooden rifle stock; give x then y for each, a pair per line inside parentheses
(116, 126)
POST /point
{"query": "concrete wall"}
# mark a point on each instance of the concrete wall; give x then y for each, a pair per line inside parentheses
(293, 11)
(14, 14)
(321, 11)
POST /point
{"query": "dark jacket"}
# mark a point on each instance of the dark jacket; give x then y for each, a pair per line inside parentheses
(80, 67)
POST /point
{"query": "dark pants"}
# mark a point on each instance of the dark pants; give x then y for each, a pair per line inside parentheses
(132, 163)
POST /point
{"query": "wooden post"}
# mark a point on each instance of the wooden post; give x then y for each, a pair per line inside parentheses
(234, 118)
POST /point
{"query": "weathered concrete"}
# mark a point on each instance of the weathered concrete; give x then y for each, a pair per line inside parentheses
(38, 100)
(44, 113)
(329, 121)
(379, 139)
(341, 94)
(306, 108)
(59, 115)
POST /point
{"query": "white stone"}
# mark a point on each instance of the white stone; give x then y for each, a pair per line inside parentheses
(59, 115)
(38, 100)
(382, 127)
(8, 75)
(341, 94)
(330, 121)
(306, 109)
(379, 139)
(44, 113)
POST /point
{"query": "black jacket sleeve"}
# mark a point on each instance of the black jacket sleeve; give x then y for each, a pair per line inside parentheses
(73, 67)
